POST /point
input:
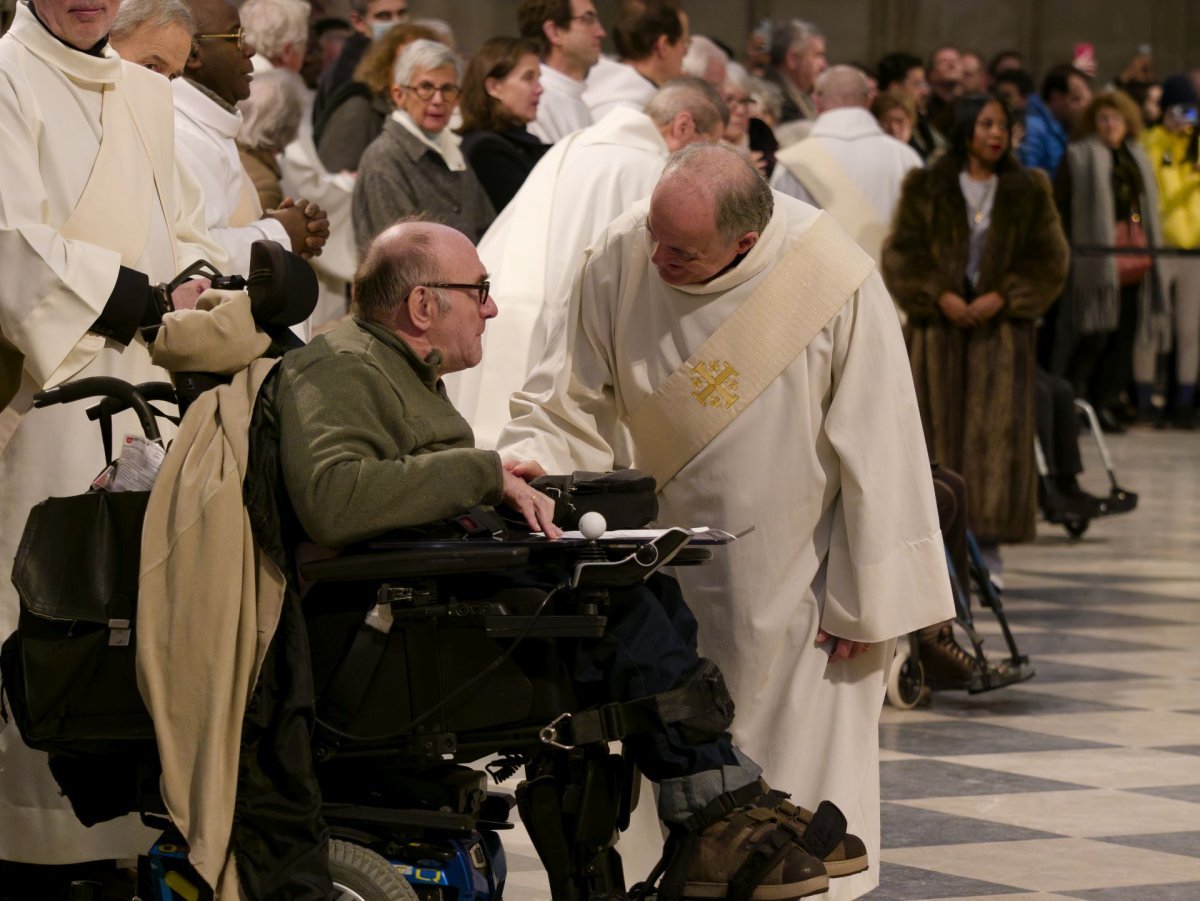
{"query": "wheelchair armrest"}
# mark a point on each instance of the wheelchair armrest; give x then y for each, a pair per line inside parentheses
(416, 562)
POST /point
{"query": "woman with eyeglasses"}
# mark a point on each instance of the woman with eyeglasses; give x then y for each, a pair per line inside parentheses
(501, 91)
(354, 114)
(415, 166)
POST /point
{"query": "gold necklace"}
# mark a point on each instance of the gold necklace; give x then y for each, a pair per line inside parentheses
(977, 212)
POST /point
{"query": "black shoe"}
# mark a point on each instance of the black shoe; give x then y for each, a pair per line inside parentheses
(1109, 424)
(1186, 418)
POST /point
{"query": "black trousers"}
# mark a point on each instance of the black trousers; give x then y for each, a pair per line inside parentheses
(1057, 425)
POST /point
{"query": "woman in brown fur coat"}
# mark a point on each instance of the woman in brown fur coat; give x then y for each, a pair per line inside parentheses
(976, 255)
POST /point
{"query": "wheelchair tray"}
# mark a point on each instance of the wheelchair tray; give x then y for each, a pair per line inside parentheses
(416, 559)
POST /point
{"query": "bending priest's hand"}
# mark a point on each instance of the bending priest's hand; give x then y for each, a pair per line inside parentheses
(841, 648)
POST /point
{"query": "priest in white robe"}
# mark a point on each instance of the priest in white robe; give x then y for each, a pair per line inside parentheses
(92, 211)
(652, 38)
(534, 246)
(217, 76)
(847, 165)
(568, 33)
(828, 462)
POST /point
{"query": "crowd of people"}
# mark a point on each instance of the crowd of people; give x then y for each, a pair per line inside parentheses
(991, 247)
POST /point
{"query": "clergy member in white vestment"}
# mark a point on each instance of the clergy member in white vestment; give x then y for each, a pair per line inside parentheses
(92, 211)
(569, 34)
(534, 246)
(217, 75)
(847, 165)
(651, 38)
(823, 454)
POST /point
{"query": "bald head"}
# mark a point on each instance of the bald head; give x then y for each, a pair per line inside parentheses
(687, 110)
(841, 87)
(400, 285)
(709, 206)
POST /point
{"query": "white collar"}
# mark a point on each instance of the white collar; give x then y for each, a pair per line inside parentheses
(626, 127)
(205, 111)
(445, 146)
(83, 67)
(553, 80)
(847, 123)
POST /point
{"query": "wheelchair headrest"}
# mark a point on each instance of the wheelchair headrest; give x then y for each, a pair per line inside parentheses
(282, 285)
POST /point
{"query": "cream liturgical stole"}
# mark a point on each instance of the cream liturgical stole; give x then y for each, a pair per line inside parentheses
(835, 191)
(773, 326)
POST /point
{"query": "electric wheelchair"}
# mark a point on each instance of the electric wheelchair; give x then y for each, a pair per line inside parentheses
(396, 666)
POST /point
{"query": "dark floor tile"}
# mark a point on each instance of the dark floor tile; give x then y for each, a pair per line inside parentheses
(1076, 596)
(1054, 671)
(1182, 749)
(1179, 891)
(897, 883)
(1012, 701)
(1083, 615)
(1186, 843)
(950, 738)
(1189, 793)
(1055, 641)
(1091, 578)
(912, 827)
(905, 779)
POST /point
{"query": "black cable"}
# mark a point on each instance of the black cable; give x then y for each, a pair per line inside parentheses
(484, 673)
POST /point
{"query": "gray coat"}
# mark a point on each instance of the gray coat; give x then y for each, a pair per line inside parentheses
(400, 176)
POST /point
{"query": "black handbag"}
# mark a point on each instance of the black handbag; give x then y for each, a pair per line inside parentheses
(69, 670)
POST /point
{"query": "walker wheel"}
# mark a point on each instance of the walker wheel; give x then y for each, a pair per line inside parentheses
(906, 682)
(1076, 527)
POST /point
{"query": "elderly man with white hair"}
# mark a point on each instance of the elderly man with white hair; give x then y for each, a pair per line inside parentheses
(797, 58)
(706, 61)
(155, 34)
(415, 165)
(587, 180)
(750, 350)
(847, 165)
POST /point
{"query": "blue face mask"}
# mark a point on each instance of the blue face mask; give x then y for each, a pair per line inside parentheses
(379, 29)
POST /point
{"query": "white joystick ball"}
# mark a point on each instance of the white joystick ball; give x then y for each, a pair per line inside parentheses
(592, 525)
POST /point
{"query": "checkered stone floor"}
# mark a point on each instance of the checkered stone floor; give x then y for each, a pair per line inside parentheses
(1084, 782)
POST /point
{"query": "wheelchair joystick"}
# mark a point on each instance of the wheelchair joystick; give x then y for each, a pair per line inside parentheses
(592, 525)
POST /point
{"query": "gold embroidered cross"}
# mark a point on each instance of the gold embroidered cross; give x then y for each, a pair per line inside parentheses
(716, 384)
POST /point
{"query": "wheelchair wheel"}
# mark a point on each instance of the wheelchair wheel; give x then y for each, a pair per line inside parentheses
(359, 874)
(906, 682)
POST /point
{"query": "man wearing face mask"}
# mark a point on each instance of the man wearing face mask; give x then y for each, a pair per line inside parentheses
(370, 19)
(92, 212)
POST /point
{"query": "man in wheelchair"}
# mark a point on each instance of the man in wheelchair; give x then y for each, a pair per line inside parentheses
(369, 444)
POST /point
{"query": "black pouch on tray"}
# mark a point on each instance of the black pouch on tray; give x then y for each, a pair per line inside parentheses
(627, 498)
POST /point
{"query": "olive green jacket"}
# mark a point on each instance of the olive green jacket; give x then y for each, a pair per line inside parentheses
(368, 441)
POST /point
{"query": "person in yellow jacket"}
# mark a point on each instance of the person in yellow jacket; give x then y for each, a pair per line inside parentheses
(1173, 151)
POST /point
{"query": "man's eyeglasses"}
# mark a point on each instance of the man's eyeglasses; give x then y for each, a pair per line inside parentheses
(425, 91)
(589, 19)
(238, 36)
(480, 288)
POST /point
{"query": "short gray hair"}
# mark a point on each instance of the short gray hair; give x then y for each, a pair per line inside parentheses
(736, 75)
(794, 33)
(423, 54)
(392, 267)
(689, 95)
(742, 198)
(701, 54)
(159, 13)
(271, 114)
(273, 24)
